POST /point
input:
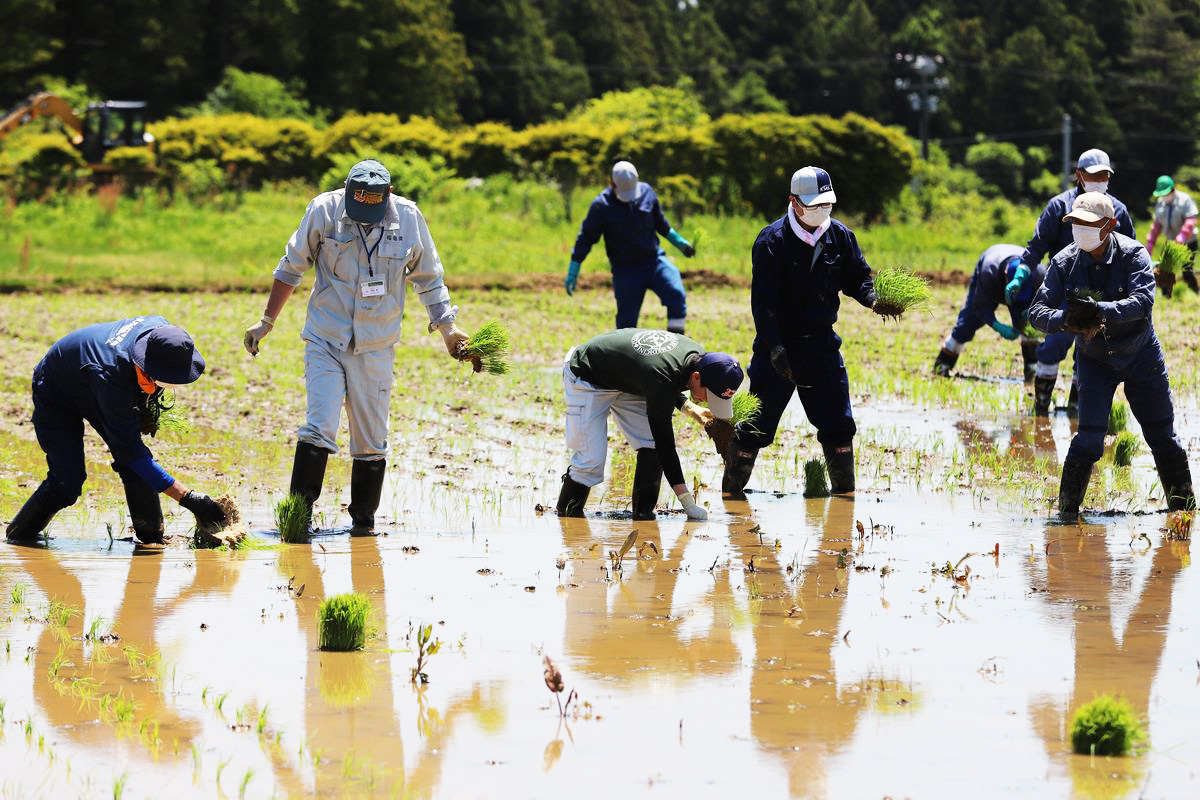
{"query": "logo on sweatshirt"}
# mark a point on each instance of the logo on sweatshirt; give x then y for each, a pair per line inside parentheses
(654, 343)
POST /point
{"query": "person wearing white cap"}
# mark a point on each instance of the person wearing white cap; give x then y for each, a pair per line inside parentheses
(629, 217)
(802, 262)
(367, 245)
(1093, 171)
(1099, 291)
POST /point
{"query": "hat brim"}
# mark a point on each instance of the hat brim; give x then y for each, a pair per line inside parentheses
(1094, 168)
(1079, 215)
(1162, 192)
(180, 375)
(821, 198)
(361, 212)
(721, 407)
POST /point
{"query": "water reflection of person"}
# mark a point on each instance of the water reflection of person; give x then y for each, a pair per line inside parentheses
(796, 713)
(1028, 439)
(1080, 575)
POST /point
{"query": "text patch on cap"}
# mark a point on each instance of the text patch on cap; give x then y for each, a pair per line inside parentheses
(367, 197)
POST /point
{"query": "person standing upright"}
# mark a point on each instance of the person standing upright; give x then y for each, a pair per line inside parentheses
(629, 217)
(367, 244)
(1093, 171)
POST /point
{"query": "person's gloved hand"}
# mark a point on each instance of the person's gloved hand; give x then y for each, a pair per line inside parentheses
(1005, 331)
(779, 361)
(208, 513)
(1083, 313)
(455, 340)
(693, 510)
(1014, 286)
(572, 277)
(685, 247)
(256, 333)
(698, 413)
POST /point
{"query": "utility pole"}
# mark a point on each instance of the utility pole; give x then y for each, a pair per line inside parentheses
(1067, 169)
(922, 94)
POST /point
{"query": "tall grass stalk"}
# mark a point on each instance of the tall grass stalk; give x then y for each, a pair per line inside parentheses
(342, 622)
(292, 518)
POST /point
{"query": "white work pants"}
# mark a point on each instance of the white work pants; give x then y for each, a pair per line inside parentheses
(588, 408)
(362, 383)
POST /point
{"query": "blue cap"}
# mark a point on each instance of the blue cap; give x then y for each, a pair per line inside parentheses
(720, 375)
(168, 354)
(367, 188)
(1093, 161)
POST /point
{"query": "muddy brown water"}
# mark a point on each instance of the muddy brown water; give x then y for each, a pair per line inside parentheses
(773, 649)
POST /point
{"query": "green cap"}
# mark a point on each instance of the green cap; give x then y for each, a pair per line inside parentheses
(1163, 186)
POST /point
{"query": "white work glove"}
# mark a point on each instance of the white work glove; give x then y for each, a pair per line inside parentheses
(691, 508)
(454, 338)
(256, 333)
(699, 413)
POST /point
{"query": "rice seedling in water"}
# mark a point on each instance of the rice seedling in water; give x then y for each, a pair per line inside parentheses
(427, 647)
(745, 408)
(897, 290)
(342, 622)
(488, 349)
(1118, 417)
(292, 518)
(1107, 726)
(816, 483)
(18, 593)
(1125, 449)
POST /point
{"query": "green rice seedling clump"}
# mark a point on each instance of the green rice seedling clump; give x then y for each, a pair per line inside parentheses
(342, 622)
(1125, 449)
(292, 518)
(1175, 258)
(1118, 417)
(899, 289)
(745, 408)
(1106, 726)
(816, 483)
(490, 346)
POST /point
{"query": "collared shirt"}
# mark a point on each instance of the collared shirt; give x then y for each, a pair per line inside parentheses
(1124, 279)
(630, 230)
(808, 238)
(1051, 234)
(359, 290)
(1170, 214)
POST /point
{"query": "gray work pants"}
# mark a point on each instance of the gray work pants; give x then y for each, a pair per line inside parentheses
(362, 383)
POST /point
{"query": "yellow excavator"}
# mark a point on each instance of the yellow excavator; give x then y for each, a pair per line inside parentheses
(104, 126)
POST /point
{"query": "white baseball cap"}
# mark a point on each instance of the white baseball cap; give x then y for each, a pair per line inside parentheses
(1091, 207)
(813, 186)
(625, 178)
(1093, 161)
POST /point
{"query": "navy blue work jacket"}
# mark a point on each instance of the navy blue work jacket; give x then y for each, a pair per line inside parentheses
(630, 230)
(794, 288)
(1051, 234)
(1125, 280)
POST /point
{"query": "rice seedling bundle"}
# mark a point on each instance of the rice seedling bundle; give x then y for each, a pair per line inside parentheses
(1175, 259)
(1107, 726)
(342, 622)
(1118, 417)
(488, 348)
(232, 533)
(899, 289)
(746, 408)
(816, 483)
(292, 518)
(1125, 449)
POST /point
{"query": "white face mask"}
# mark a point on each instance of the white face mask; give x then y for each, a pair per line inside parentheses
(1169, 197)
(1086, 237)
(1096, 186)
(815, 215)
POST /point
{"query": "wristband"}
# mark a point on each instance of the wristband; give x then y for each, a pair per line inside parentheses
(267, 318)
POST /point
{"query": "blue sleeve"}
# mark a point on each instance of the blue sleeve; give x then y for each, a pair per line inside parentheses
(856, 273)
(1140, 301)
(765, 292)
(149, 470)
(1048, 312)
(1045, 233)
(118, 422)
(1125, 223)
(589, 232)
(660, 219)
(985, 295)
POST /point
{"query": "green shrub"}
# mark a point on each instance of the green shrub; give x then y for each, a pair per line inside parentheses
(645, 109)
(816, 483)
(258, 94)
(1118, 417)
(486, 149)
(200, 178)
(342, 622)
(274, 149)
(413, 177)
(999, 165)
(37, 166)
(1125, 449)
(385, 133)
(1107, 726)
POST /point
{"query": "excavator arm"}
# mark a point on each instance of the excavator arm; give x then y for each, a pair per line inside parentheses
(43, 104)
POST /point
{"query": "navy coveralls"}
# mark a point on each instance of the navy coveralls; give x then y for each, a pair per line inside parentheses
(794, 295)
(986, 293)
(89, 375)
(1050, 236)
(631, 232)
(1125, 350)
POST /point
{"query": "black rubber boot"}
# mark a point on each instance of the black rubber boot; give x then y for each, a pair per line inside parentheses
(145, 510)
(572, 497)
(1189, 277)
(839, 460)
(1176, 478)
(1073, 401)
(944, 362)
(366, 485)
(647, 480)
(1043, 395)
(1076, 473)
(1029, 356)
(738, 471)
(308, 472)
(30, 521)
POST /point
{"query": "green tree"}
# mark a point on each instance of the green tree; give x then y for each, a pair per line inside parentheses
(26, 46)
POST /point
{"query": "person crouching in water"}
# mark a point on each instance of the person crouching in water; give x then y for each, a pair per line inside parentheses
(1101, 288)
(639, 376)
(111, 375)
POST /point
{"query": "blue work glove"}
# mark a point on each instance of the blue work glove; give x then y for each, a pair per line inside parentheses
(1016, 284)
(683, 244)
(1005, 331)
(572, 277)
